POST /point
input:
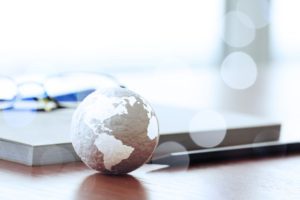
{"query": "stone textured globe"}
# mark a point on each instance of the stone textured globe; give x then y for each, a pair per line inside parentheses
(114, 131)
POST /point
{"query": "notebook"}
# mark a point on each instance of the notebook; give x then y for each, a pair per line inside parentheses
(40, 138)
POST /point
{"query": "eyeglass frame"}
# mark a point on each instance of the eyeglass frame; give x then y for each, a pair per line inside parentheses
(45, 96)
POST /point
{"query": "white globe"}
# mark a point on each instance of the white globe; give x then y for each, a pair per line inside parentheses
(114, 131)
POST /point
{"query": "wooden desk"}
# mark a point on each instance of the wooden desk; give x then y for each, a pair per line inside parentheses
(264, 178)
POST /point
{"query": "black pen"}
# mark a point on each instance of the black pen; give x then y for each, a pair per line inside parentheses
(229, 153)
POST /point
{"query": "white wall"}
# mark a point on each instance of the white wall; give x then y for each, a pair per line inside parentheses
(63, 35)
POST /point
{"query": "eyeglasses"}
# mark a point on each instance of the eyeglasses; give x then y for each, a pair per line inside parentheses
(52, 92)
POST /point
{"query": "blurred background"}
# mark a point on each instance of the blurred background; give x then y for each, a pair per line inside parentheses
(239, 55)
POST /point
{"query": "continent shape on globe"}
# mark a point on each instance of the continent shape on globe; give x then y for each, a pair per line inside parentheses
(114, 150)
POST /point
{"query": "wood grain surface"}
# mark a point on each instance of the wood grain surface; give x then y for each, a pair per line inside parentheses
(263, 178)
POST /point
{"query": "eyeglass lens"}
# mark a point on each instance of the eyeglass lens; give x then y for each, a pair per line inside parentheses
(8, 92)
(71, 88)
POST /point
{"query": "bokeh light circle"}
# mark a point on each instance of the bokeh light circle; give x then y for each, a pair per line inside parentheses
(239, 71)
(257, 10)
(208, 128)
(167, 148)
(239, 29)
